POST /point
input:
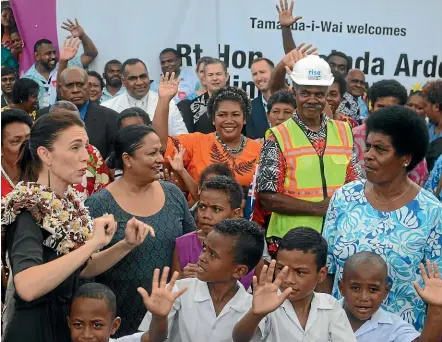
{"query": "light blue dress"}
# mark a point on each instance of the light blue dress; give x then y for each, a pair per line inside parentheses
(435, 176)
(404, 238)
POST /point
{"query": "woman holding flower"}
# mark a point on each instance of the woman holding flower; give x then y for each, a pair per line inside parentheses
(51, 239)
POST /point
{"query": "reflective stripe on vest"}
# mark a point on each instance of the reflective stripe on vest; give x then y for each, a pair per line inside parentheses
(308, 176)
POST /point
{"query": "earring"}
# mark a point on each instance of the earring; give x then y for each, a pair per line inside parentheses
(49, 178)
(405, 165)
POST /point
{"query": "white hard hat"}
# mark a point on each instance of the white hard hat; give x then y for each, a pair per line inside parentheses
(312, 70)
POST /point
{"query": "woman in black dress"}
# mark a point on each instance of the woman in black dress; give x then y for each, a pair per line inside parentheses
(51, 239)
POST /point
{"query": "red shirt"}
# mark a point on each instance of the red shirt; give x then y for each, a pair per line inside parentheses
(6, 187)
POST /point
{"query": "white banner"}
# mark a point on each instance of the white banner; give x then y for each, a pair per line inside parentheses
(400, 39)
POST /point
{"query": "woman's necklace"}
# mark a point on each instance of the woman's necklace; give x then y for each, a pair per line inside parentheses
(394, 199)
(11, 183)
(229, 149)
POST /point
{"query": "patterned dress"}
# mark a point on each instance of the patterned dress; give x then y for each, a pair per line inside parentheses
(434, 182)
(136, 269)
(404, 238)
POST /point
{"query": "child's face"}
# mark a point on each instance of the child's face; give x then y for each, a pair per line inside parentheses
(364, 290)
(383, 102)
(302, 276)
(213, 207)
(216, 261)
(90, 320)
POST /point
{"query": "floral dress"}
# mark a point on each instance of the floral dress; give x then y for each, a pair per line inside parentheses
(403, 238)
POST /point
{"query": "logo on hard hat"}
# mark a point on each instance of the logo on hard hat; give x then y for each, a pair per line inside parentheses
(314, 74)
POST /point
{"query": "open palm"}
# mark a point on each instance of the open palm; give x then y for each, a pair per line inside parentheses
(168, 86)
(177, 162)
(161, 299)
(265, 295)
(286, 17)
(432, 291)
(69, 49)
(73, 27)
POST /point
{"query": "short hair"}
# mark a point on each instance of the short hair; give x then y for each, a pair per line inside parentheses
(133, 112)
(24, 88)
(365, 258)
(218, 169)
(131, 61)
(306, 239)
(112, 61)
(408, 132)
(432, 91)
(249, 240)
(95, 74)
(339, 54)
(339, 79)
(41, 42)
(229, 186)
(67, 105)
(281, 96)
(211, 61)
(8, 71)
(175, 52)
(260, 59)
(67, 70)
(202, 60)
(10, 116)
(387, 88)
(229, 94)
(100, 292)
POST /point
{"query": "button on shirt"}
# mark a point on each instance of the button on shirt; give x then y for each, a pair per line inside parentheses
(327, 321)
(105, 95)
(193, 318)
(386, 327)
(48, 88)
(187, 86)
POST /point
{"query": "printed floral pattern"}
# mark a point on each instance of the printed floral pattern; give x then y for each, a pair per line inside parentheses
(404, 238)
(66, 219)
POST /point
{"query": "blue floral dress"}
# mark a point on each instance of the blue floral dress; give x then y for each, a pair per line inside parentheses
(404, 238)
(435, 176)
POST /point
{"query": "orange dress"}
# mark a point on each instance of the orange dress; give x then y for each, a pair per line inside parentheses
(203, 150)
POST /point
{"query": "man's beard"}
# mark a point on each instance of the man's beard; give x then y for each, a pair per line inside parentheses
(47, 66)
(114, 82)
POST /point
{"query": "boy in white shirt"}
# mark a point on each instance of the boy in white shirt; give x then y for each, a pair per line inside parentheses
(299, 313)
(93, 316)
(206, 308)
(364, 286)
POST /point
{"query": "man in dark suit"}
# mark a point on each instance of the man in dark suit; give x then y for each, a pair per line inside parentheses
(257, 124)
(101, 122)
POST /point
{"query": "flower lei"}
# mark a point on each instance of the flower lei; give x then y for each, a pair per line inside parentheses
(66, 219)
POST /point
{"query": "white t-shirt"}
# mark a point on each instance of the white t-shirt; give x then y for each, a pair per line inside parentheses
(130, 338)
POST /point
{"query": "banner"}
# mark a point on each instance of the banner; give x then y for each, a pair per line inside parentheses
(397, 39)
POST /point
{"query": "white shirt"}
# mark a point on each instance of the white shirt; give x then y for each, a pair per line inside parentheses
(193, 318)
(149, 103)
(386, 327)
(130, 338)
(327, 321)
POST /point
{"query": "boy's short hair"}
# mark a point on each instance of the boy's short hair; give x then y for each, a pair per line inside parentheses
(227, 185)
(387, 88)
(249, 240)
(306, 239)
(364, 258)
(98, 291)
(219, 169)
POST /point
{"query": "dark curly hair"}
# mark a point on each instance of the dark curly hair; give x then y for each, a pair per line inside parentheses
(408, 132)
(219, 169)
(432, 91)
(306, 239)
(95, 74)
(281, 96)
(23, 89)
(229, 186)
(248, 244)
(15, 115)
(386, 88)
(229, 94)
(341, 82)
(133, 112)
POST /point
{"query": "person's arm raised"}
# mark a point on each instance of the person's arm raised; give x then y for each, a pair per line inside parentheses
(135, 234)
(286, 19)
(89, 48)
(266, 299)
(67, 52)
(167, 89)
(36, 281)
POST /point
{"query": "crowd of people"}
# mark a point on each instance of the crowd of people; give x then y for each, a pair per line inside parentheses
(183, 210)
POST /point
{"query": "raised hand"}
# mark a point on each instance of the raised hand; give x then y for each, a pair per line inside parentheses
(432, 291)
(168, 86)
(161, 299)
(265, 293)
(286, 17)
(190, 271)
(136, 232)
(69, 49)
(290, 59)
(104, 229)
(177, 163)
(74, 28)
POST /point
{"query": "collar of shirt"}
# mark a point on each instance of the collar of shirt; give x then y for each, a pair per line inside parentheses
(304, 127)
(264, 103)
(141, 103)
(83, 110)
(105, 92)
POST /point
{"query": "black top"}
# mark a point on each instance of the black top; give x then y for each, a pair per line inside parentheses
(257, 124)
(195, 114)
(45, 317)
